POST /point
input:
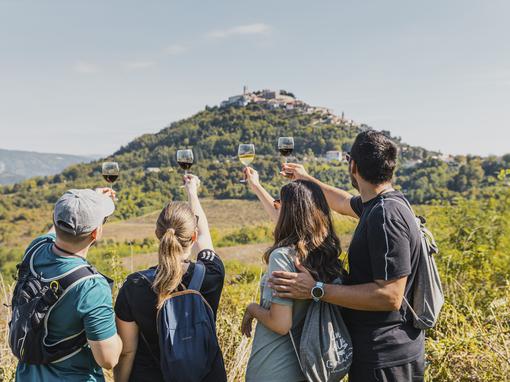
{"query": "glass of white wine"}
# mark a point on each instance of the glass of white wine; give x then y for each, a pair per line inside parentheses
(246, 153)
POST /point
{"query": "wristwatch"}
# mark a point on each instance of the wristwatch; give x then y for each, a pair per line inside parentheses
(318, 291)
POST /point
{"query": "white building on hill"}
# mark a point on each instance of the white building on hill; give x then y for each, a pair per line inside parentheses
(333, 155)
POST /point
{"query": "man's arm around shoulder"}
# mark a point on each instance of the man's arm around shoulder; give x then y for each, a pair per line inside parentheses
(338, 200)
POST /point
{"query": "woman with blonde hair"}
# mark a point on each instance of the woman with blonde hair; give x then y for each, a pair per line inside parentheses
(182, 229)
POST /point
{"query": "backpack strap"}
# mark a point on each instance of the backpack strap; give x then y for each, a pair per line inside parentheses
(31, 251)
(198, 276)
(149, 275)
(76, 275)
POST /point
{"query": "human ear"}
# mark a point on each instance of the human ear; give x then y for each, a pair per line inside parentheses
(354, 167)
(194, 237)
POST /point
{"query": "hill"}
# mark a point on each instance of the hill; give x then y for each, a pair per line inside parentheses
(16, 165)
(214, 134)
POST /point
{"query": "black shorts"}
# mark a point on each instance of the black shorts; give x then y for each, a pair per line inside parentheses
(409, 372)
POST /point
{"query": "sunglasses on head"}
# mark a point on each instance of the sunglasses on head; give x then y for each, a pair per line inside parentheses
(348, 157)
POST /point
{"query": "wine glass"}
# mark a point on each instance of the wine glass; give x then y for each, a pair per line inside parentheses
(286, 146)
(185, 159)
(110, 172)
(246, 153)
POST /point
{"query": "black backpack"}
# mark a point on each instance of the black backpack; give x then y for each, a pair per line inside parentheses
(33, 299)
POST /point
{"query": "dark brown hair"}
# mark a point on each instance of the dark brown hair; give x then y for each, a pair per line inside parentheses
(305, 223)
(375, 155)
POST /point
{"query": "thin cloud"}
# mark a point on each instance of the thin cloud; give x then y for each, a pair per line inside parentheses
(175, 49)
(84, 67)
(137, 65)
(240, 30)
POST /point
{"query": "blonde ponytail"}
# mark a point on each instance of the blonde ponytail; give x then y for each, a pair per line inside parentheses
(174, 228)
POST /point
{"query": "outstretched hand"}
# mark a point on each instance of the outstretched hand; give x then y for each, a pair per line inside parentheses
(106, 191)
(191, 183)
(294, 171)
(252, 177)
(293, 285)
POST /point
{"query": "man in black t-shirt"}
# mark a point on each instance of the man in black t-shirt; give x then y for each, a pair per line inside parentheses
(383, 258)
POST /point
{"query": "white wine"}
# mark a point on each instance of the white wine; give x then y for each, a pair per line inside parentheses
(246, 159)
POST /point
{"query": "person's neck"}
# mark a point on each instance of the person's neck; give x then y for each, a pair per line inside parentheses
(65, 249)
(369, 191)
(186, 255)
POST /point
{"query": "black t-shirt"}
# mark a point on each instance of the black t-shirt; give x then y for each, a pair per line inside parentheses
(137, 302)
(385, 246)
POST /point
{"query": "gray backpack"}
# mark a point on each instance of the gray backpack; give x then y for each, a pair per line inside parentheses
(323, 345)
(428, 297)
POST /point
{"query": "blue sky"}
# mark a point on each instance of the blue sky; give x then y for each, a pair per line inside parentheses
(85, 77)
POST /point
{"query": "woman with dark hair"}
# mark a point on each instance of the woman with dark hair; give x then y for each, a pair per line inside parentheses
(303, 235)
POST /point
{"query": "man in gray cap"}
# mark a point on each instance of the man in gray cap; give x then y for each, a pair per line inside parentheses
(86, 305)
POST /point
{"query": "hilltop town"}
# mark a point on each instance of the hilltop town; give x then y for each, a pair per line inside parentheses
(282, 99)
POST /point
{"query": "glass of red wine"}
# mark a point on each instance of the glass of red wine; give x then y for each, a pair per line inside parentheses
(185, 159)
(286, 147)
(110, 172)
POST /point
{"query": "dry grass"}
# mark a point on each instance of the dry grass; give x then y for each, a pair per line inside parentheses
(247, 213)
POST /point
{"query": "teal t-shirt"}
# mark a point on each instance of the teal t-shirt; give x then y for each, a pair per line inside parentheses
(86, 306)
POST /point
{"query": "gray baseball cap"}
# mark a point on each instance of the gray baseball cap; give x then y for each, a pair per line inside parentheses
(82, 211)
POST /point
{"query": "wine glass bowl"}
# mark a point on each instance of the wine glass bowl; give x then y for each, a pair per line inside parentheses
(286, 146)
(110, 171)
(185, 159)
(246, 154)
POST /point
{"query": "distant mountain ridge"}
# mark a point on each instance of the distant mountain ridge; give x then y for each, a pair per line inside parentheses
(17, 165)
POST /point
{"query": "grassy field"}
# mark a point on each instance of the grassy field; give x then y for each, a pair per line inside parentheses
(470, 343)
(223, 216)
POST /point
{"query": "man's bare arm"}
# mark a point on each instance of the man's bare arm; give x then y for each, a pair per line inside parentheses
(338, 200)
(379, 295)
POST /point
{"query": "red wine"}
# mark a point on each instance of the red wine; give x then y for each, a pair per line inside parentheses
(286, 152)
(110, 178)
(185, 165)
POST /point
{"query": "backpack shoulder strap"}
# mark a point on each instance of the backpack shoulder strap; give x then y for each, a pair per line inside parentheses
(32, 250)
(148, 275)
(198, 276)
(76, 275)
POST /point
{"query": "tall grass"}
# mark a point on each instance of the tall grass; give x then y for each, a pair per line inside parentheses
(471, 341)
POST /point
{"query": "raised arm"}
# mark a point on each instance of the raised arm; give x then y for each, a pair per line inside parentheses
(338, 200)
(204, 241)
(252, 177)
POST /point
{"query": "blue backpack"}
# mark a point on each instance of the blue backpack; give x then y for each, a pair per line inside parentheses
(187, 331)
